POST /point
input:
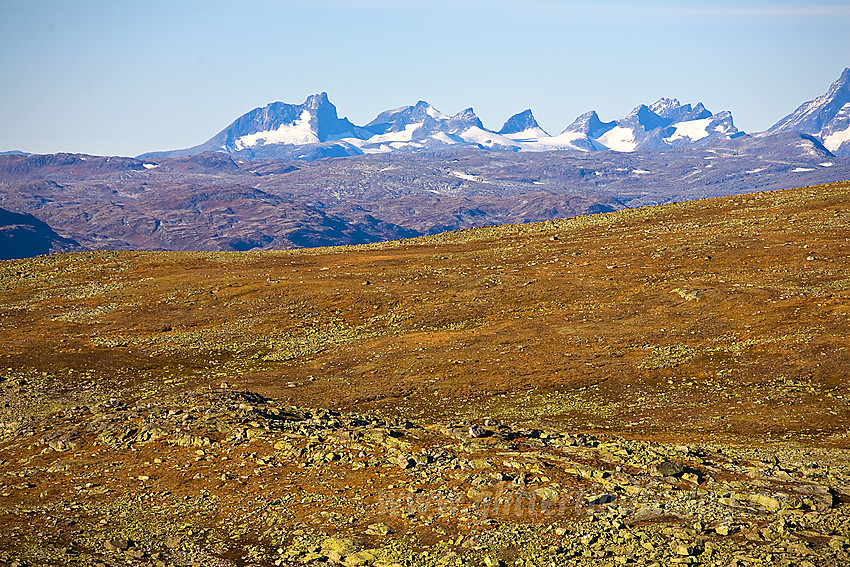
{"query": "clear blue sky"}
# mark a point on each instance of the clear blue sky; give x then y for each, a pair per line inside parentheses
(116, 77)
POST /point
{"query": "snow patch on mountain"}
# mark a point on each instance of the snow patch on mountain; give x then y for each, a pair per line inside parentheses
(836, 139)
(443, 138)
(299, 132)
(692, 129)
(529, 135)
(564, 140)
(619, 139)
(435, 114)
(405, 135)
(485, 138)
(809, 147)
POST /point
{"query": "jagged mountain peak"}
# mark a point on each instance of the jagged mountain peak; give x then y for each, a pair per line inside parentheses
(465, 114)
(638, 110)
(520, 122)
(700, 108)
(844, 79)
(464, 119)
(664, 105)
(317, 100)
(674, 111)
(314, 129)
(644, 117)
(314, 121)
(590, 125)
(823, 117)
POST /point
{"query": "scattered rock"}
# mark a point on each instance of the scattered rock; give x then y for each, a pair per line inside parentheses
(378, 529)
(646, 513)
(360, 558)
(602, 499)
(172, 542)
(477, 431)
(766, 502)
(118, 543)
(405, 462)
(668, 468)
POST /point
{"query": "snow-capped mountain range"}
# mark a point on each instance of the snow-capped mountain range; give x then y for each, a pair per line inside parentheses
(314, 129)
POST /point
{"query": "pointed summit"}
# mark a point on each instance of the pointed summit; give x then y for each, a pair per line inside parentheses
(326, 121)
(317, 100)
(520, 122)
(464, 119)
(590, 124)
(674, 111)
(664, 105)
(814, 116)
(844, 79)
(644, 117)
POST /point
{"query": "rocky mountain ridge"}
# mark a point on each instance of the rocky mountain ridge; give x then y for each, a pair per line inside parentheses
(826, 117)
(314, 130)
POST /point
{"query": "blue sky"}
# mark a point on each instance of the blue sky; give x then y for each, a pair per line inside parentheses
(116, 77)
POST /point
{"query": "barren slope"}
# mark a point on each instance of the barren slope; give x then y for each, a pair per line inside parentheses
(589, 342)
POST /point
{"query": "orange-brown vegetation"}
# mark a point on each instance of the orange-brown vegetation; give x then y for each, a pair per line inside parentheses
(694, 328)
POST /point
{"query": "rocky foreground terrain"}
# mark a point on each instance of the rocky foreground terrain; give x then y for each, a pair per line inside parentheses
(654, 386)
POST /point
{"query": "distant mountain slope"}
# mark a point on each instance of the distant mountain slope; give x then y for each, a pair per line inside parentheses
(221, 201)
(827, 117)
(24, 236)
